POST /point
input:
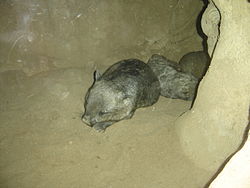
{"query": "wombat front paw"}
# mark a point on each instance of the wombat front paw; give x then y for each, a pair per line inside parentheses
(99, 128)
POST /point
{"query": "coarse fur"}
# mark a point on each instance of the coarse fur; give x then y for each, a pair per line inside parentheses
(174, 83)
(115, 95)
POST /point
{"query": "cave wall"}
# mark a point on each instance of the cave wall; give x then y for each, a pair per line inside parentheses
(38, 36)
(213, 129)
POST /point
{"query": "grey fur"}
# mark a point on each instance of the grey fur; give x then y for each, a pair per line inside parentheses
(195, 63)
(115, 95)
(174, 83)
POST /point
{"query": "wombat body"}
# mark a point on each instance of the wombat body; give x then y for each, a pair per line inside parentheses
(115, 95)
(195, 63)
(174, 83)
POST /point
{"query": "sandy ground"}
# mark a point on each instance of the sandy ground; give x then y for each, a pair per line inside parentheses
(43, 143)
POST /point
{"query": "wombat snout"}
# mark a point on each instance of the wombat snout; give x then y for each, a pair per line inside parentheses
(86, 120)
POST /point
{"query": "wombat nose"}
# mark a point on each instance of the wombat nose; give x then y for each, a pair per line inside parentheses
(85, 119)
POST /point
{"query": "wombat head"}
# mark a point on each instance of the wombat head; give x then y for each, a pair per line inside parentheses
(105, 104)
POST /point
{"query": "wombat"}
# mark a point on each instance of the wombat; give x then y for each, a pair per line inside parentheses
(116, 94)
(195, 63)
(174, 83)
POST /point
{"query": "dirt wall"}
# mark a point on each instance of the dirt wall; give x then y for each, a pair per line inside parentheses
(38, 36)
(214, 128)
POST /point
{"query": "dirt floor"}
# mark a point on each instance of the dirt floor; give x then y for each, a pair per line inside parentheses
(43, 143)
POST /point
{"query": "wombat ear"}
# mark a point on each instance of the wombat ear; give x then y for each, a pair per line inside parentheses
(97, 75)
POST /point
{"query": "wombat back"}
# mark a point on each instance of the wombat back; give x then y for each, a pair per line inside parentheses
(195, 63)
(134, 78)
(174, 83)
